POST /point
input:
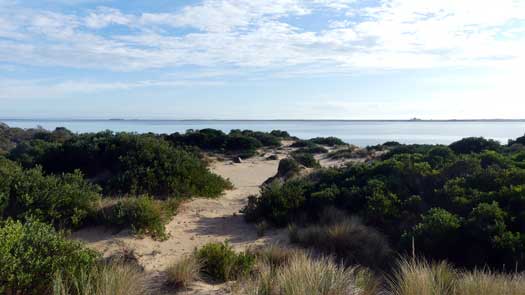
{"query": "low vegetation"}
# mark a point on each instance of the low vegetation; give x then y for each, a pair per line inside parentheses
(222, 263)
(64, 200)
(101, 279)
(183, 271)
(419, 277)
(467, 197)
(306, 159)
(329, 141)
(347, 239)
(297, 273)
(124, 163)
(348, 153)
(237, 143)
(32, 252)
(143, 214)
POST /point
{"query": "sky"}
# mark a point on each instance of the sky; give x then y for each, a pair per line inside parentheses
(262, 59)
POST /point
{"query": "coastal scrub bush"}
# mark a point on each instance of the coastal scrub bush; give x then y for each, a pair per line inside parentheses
(220, 262)
(306, 160)
(124, 163)
(101, 279)
(276, 202)
(423, 193)
(329, 141)
(280, 134)
(437, 233)
(183, 271)
(238, 143)
(287, 166)
(143, 214)
(301, 143)
(63, 200)
(474, 145)
(32, 252)
(312, 150)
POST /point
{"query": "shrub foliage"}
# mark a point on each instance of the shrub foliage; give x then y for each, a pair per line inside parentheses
(31, 253)
(464, 203)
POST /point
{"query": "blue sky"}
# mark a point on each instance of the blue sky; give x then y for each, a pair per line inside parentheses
(262, 59)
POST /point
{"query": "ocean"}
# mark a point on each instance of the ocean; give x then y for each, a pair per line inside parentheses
(361, 133)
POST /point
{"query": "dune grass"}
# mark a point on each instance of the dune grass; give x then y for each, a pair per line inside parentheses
(294, 272)
(345, 238)
(419, 277)
(103, 279)
(183, 271)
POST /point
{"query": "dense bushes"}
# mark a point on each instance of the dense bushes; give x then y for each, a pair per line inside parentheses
(430, 194)
(474, 145)
(31, 253)
(64, 200)
(315, 142)
(126, 163)
(239, 143)
(329, 141)
(220, 262)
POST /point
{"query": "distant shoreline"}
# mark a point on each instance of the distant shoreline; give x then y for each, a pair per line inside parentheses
(263, 120)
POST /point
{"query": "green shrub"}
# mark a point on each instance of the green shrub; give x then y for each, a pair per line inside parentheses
(437, 232)
(64, 200)
(242, 142)
(142, 214)
(312, 150)
(348, 153)
(103, 278)
(474, 145)
(306, 160)
(287, 166)
(220, 262)
(280, 134)
(422, 192)
(277, 202)
(329, 141)
(124, 163)
(31, 253)
(303, 144)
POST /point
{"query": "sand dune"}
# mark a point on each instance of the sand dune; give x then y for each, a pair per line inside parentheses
(198, 221)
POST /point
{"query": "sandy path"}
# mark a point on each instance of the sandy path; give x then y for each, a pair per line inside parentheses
(198, 222)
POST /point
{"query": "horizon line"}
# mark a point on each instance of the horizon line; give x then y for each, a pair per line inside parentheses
(268, 120)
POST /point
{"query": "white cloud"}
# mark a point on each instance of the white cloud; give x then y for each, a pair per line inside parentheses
(21, 89)
(105, 16)
(397, 34)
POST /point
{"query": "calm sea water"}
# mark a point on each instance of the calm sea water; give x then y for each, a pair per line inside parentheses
(360, 133)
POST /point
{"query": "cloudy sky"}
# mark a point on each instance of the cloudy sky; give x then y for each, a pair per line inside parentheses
(262, 59)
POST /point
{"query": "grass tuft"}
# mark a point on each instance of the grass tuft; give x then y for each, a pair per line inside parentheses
(103, 279)
(183, 271)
